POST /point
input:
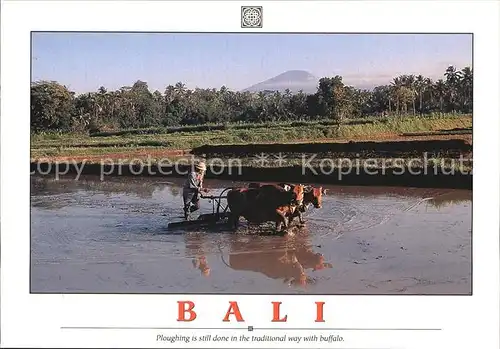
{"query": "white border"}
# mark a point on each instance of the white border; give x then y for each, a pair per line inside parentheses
(35, 320)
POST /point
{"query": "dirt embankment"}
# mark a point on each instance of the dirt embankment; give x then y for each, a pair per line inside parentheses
(451, 148)
(427, 177)
(430, 175)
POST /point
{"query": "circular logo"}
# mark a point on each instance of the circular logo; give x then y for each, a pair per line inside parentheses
(251, 17)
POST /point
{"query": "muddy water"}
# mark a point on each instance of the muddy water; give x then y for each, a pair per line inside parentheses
(112, 237)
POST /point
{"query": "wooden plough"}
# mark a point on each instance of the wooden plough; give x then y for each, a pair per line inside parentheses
(220, 213)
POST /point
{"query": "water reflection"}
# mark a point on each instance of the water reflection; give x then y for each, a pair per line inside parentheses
(194, 243)
(451, 198)
(175, 191)
(142, 189)
(146, 187)
(388, 228)
(291, 258)
(435, 197)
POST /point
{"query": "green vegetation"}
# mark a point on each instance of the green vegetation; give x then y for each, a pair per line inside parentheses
(137, 111)
(133, 124)
(64, 144)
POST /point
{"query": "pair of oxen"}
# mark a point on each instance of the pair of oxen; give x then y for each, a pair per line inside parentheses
(279, 203)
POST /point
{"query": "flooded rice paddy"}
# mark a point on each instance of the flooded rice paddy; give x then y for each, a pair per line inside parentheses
(111, 236)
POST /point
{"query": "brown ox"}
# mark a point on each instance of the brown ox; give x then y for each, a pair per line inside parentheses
(312, 196)
(267, 202)
(256, 185)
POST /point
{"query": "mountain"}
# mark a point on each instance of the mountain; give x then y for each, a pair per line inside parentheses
(294, 80)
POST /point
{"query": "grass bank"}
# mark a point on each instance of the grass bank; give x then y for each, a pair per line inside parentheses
(431, 151)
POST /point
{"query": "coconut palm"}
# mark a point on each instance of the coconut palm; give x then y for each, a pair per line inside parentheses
(420, 86)
(466, 88)
(453, 78)
(54, 107)
(440, 91)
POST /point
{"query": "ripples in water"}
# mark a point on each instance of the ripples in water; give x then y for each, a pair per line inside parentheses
(112, 236)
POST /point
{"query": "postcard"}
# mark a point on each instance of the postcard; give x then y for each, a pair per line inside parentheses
(244, 174)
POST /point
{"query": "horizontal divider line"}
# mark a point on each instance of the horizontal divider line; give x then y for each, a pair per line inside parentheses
(245, 328)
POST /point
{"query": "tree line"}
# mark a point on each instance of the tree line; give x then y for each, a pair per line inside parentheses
(55, 108)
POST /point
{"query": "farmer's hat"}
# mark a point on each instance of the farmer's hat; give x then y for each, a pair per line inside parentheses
(200, 166)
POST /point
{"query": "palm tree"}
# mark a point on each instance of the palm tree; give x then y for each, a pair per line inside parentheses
(180, 88)
(409, 82)
(396, 85)
(420, 86)
(466, 84)
(452, 79)
(440, 91)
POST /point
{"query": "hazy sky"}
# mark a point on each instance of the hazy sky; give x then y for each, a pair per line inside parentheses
(85, 61)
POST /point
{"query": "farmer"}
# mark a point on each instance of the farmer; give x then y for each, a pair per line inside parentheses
(192, 189)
